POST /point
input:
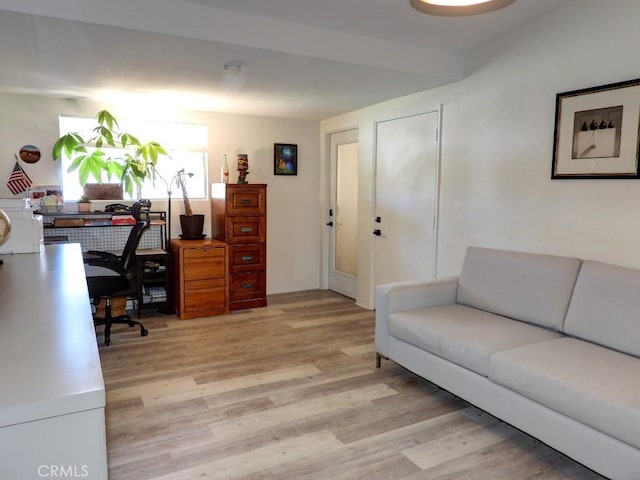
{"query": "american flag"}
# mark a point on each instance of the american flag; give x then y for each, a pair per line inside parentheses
(18, 181)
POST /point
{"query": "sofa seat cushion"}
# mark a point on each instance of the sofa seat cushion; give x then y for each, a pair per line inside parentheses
(464, 335)
(589, 383)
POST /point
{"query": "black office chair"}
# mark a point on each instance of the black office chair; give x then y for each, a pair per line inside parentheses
(105, 287)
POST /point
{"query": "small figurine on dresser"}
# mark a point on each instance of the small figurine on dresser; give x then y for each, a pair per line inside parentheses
(243, 167)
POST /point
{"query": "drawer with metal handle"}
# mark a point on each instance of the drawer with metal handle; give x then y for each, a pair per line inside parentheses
(246, 229)
(246, 201)
(246, 285)
(247, 258)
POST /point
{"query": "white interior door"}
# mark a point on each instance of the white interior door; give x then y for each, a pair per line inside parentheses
(343, 212)
(406, 198)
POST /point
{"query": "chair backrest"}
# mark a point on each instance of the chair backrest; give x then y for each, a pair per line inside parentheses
(140, 211)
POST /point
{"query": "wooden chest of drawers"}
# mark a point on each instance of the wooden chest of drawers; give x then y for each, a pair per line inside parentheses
(239, 218)
(200, 285)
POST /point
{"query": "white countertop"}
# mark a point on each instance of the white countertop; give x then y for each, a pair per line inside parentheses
(49, 361)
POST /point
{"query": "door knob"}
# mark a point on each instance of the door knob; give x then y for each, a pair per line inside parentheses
(329, 224)
(377, 232)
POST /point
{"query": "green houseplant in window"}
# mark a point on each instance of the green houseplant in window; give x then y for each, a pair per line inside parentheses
(101, 154)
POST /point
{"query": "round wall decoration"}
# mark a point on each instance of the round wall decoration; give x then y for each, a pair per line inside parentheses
(30, 154)
(5, 227)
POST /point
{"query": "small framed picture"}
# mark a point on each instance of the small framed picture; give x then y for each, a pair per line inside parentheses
(285, 159)
(596, 132)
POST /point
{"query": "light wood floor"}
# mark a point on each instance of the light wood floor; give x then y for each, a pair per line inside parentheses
(290, 392)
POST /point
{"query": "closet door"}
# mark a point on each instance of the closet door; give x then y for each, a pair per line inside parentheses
(406, 198)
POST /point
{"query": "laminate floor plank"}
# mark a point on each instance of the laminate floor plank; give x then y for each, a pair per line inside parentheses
(199, 390)
(277, 452)
(290, 392)
(328, 320)
(460, 443)
(393, 413)
(280, 416)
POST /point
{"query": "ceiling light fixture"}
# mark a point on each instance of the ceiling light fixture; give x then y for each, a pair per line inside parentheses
(233, 67)
(458, 8)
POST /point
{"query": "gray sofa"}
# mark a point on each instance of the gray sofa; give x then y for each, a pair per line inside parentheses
(548, 344)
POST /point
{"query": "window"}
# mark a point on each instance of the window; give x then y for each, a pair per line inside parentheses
(185, 143)
(192, 162)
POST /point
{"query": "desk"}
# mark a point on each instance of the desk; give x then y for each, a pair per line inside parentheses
(52, 394)
(94, 231)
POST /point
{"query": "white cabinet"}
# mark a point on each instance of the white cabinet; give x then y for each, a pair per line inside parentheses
(52, 394)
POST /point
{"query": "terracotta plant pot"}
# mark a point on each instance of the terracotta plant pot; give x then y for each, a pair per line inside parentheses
(84, 207)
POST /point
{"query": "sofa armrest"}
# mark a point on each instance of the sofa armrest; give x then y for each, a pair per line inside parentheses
(404, 296)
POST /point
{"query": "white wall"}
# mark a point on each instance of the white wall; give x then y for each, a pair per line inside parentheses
(496, 153)
(497, 144)
(293, 212)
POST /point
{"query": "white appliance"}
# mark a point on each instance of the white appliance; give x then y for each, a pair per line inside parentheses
(27, 235)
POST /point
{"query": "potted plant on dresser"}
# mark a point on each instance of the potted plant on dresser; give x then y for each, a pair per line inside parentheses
(191, 224)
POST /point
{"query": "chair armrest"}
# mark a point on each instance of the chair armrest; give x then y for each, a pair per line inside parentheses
(109, 264)
(104, 254)
(404, 296)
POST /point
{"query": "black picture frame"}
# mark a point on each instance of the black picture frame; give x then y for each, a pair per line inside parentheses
(285, 159)
(596, 132)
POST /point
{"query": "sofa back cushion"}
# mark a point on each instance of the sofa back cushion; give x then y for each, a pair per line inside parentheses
(529, 287)
(605, 307)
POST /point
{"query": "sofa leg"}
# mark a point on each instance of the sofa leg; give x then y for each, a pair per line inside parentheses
(378, 360)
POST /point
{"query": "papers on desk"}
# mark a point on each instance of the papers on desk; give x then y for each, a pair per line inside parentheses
(97, 222)
(123, 220)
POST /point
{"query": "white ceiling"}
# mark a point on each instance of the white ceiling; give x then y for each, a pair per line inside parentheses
(308, 59)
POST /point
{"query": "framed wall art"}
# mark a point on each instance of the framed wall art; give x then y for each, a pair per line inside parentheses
(596, 132)
(285, 159)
